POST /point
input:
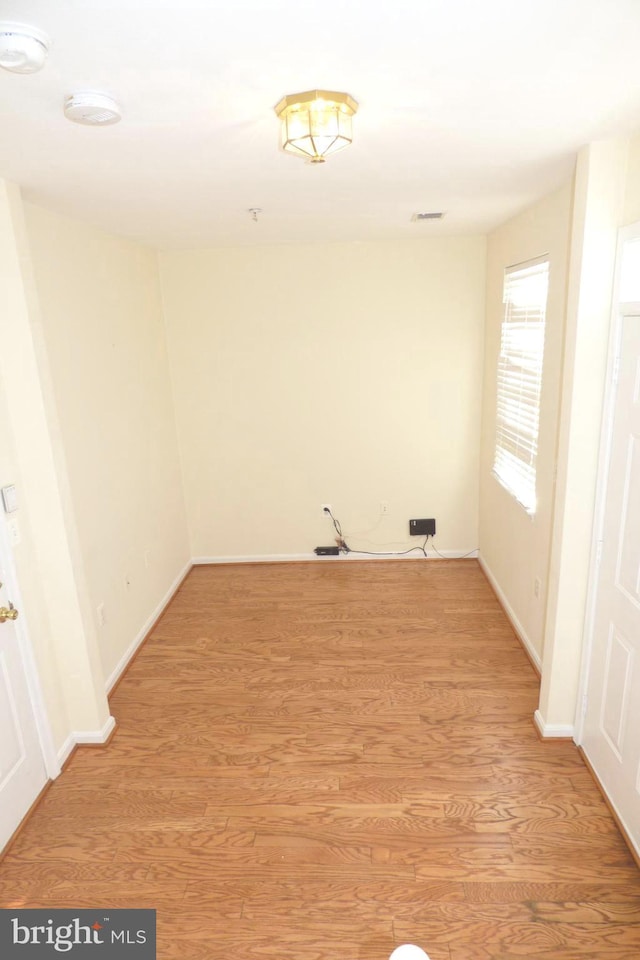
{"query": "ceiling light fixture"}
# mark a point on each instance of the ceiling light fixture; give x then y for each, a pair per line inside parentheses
(22, 49)
(316, 123)
(408, 951)
(92, 109)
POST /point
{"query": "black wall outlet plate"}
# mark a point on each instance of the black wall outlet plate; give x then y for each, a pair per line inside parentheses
(422, 528)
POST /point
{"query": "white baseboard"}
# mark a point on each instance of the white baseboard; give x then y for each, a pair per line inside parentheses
(261, 558)
(629, 834)
(354, 555)
(123, 663)
(85, 736)
(549, 730)
(515, 623)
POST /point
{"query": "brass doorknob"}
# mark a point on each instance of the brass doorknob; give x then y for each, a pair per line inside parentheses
(8, 613)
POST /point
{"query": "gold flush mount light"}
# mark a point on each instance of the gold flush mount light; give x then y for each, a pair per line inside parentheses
(316, 123)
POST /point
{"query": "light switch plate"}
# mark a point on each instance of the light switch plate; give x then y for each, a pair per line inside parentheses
(10, 498)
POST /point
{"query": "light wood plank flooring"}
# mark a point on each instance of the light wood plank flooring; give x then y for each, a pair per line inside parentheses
(321, 761)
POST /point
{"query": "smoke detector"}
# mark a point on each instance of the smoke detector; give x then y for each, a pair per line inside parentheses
(22, 49)
(92, 109)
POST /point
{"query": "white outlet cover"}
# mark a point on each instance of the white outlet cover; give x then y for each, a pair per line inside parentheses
(13, 529)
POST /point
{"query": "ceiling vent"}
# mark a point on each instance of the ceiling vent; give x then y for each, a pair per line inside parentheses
(22, 49)
(92, 109)
(426, 216)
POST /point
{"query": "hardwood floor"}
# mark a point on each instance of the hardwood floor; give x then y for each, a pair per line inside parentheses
(322, 761)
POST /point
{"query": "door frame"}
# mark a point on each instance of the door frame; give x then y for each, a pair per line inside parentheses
(27, 658)
(619, 310)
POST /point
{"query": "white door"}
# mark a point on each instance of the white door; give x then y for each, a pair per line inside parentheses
(611, 732)
(22, 768)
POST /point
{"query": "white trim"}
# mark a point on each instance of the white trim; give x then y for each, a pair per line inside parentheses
(36, 697)
(34, 687)
(124, 660)
(66, 749)
(619, 310)
(629, 837)
(27, 656)
(85, 736)
(515, 623)
(550, 730)
(354, 555)
(262, 558)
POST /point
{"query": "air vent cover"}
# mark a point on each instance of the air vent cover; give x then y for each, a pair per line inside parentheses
(92, 109)
(426, 216)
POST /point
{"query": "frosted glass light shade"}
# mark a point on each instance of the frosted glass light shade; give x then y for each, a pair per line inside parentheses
(22, 49)
(316, 123)
(408, 951)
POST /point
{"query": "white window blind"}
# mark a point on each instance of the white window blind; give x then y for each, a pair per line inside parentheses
(520, 379)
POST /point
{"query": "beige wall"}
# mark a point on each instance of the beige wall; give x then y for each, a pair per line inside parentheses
(49, 570)
(515, 547)
(105, 342)
(348, 374)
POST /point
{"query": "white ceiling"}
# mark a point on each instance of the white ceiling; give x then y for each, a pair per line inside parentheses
(473, 108)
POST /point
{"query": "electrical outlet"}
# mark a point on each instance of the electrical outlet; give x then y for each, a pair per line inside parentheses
(384, 507)
(127, 582)
(13, 529)
(101, 617)
(325, 509)
(537, 586)
(422, 528)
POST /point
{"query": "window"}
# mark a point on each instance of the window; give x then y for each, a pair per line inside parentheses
(520, 379)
